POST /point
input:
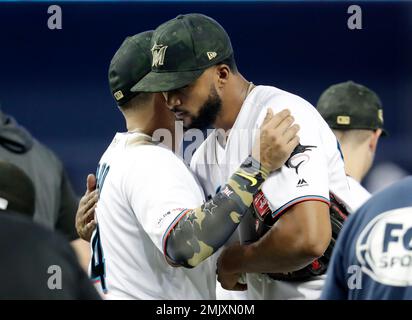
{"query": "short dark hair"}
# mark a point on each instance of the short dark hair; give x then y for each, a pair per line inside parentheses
(230, 62)
(139, 99)
(353, 137)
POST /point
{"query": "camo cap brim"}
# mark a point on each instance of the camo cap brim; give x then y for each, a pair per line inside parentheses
(166, 81)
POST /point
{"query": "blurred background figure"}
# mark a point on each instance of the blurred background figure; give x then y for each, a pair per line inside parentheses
(372, 257)
(355, 115)
(35, 262)
(55, 202)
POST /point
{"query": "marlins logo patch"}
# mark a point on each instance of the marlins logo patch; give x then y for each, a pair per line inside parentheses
(298, 157)
(158, 53)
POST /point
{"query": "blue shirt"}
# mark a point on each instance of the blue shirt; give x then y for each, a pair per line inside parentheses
(372, 258)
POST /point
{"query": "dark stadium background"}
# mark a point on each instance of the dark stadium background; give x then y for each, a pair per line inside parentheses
(55, 82)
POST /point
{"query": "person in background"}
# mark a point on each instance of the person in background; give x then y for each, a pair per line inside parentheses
(56, 202)
(372, 257)
(355, 115)
(36, 263)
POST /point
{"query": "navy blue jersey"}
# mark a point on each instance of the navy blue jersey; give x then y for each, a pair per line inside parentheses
(372, 258)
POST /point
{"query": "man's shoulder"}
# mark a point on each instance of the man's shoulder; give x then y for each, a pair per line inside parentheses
(155, 155)
(264, 97)
(156, 163)
(136, 149)
(265, 94)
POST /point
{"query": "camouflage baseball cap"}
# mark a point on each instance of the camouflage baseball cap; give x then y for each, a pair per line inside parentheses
(349, 105)
(130, 63)
(182, 48)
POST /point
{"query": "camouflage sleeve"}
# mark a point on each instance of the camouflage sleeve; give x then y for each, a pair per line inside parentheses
(200, 232)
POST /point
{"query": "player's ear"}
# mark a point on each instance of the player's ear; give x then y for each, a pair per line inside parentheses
(373, 141)
(222, 73)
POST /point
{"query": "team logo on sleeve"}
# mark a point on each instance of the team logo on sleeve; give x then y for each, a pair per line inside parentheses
(384, 248)
(298, 157)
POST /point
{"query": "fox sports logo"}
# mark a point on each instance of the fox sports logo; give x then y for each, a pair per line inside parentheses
(384, 248)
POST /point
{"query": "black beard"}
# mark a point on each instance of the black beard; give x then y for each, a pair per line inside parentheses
(208, 112)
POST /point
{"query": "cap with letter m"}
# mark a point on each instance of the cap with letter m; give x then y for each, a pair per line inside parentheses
(349, 105)
(130, 63)
(182, 48)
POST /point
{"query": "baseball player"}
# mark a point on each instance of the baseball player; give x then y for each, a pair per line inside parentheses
(151, 212)
(372, 258)
(355, 114)
(193, 65)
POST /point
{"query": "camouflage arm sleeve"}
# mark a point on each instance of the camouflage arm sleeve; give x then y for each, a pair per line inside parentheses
(200, 232)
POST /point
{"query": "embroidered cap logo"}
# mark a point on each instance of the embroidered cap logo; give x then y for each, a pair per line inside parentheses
(158, 53)
(211, 55)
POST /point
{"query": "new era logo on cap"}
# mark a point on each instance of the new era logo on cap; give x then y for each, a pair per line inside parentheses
(380, 115)
(211, 55)
(118, 95)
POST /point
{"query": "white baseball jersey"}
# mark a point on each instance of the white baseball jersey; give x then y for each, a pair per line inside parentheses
(143, 190)
(359, 194)
(308, 175)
